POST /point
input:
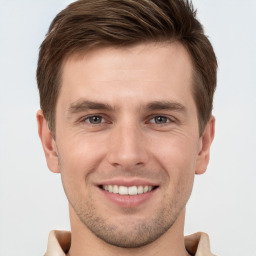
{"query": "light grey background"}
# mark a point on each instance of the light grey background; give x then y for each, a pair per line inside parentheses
(223, 204)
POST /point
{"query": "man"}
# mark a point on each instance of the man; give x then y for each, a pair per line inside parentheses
(126, 90)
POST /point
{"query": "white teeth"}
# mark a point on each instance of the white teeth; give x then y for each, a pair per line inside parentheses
(132, 190)
(122, 190)
(115, 189)
(140, 189)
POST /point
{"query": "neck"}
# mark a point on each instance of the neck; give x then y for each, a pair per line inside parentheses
(84, 242)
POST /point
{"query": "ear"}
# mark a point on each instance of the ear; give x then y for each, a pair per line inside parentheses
(204, 148)
(48, 143)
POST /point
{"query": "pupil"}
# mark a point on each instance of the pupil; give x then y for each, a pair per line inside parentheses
(95, 119)
(161, 119)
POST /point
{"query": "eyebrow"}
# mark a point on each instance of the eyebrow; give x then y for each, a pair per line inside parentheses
(166, 105)
(85, 105)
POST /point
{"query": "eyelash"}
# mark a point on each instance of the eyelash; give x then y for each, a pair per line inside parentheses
(87, 118)
(168, 120)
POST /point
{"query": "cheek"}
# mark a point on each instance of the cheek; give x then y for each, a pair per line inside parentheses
(81, 152)
(177, 157)
(177, 154)
(77, 160)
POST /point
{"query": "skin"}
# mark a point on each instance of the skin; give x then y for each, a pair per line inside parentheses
(132, 137)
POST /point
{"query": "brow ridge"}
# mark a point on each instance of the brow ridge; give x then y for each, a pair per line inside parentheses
(84, 105)
(166, 105)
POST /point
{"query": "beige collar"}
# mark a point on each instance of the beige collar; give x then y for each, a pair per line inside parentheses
(59, 242)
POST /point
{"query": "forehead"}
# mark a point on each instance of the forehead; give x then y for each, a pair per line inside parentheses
(146, 72)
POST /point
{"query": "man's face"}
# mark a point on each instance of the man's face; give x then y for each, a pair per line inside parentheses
(126, 123)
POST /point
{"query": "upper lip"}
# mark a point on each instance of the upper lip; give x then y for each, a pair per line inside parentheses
(128, 182)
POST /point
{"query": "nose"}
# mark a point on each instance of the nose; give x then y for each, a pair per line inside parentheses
(127, 147)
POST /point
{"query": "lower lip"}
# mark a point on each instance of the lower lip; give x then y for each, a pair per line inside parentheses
(127, 200)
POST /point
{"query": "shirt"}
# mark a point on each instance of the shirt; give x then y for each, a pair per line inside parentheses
(59, 242)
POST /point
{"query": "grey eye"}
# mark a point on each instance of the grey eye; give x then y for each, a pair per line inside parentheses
(160, 120)
(94, 119)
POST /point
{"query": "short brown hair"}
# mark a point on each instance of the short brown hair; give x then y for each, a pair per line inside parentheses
(86, 24)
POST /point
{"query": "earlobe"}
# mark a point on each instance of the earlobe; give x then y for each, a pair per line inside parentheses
(48, 143)
(205, 145)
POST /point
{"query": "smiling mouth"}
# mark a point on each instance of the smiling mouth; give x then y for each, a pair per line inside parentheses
(131, 191)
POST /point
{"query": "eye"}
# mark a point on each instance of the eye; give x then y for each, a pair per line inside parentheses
(160, 120)
(94, 119)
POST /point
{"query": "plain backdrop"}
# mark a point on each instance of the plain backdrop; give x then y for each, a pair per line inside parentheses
(223, 203)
